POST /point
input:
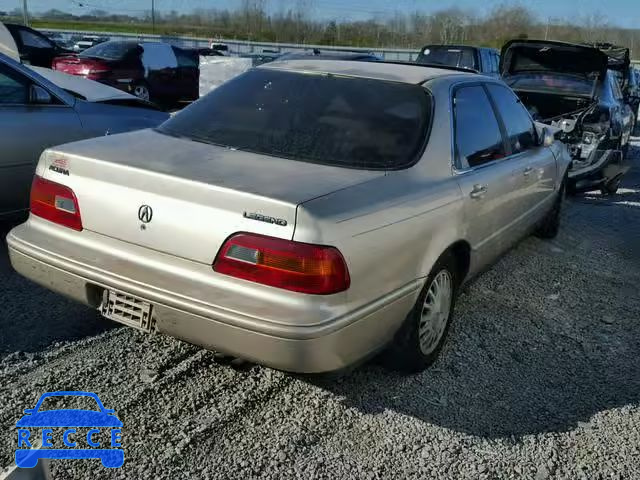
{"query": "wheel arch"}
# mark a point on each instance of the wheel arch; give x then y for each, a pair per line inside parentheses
(461, 252)
(458, 248)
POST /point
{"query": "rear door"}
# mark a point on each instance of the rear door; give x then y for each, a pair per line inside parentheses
(25, 131)
(489, 181)
(534, 162)
(161, 69)
(188, 74)
(128, 70)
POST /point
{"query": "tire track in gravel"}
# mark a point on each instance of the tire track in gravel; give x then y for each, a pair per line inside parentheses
(16, 365)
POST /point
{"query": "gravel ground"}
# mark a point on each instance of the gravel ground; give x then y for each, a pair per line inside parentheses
(540, 379)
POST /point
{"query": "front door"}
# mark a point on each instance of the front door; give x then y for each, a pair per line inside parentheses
(535, 163)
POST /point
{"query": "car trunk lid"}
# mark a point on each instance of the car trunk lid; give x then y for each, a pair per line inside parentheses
(526, 56)
(197, 194)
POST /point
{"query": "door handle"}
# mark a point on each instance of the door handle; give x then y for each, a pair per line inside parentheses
(479, 191)
(527, 171)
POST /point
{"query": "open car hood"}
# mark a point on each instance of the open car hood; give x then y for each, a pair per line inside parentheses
(8, 44)
(86, 89)
(526, 56)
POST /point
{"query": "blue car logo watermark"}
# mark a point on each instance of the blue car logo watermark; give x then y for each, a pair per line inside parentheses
(60, 434)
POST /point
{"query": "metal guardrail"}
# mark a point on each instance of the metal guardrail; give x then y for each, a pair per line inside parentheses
(243, 46)
(246, 46)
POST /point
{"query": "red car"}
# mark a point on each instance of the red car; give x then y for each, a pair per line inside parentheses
(150, 70)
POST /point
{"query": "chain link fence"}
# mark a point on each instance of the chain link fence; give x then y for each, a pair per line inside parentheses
(242, 47)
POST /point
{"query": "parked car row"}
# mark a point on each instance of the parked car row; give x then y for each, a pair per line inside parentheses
(152, 71)
(149, 70)
(589, 92)
(320, 208)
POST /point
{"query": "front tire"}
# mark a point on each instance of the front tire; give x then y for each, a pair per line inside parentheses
(418, 342)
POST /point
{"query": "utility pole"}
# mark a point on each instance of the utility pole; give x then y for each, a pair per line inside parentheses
(25, 12)
(546, 33)
(153, 16)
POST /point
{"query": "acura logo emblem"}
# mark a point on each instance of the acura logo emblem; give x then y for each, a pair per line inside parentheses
(145, 213)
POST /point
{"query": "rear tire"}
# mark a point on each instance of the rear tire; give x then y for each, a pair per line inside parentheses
(141, 90)
(550, 225)
(418, 342)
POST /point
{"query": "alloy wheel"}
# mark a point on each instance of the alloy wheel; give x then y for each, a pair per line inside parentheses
(141, 91)
(435, 312)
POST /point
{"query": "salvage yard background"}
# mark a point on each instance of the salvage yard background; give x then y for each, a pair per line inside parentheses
(540, 378)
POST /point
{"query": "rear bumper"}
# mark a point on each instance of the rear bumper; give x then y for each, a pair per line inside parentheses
(609, 165)
(298, 344)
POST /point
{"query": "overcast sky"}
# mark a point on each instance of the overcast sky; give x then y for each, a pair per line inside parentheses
(625, 13)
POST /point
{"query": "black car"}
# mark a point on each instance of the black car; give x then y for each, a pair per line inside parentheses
(571, 87)
(34, 47)
(480, 59)
(154, 71)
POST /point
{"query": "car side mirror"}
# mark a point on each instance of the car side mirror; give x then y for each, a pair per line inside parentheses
(39, 96)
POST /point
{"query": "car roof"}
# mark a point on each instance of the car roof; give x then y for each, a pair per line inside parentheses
(404, 73)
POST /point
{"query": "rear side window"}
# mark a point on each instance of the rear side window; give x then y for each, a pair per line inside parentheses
(516, 119)
(478, 136)
(158, 56)
(450, 56)
(30, 39)
(186, 59)
(487, 64)
(109, 50)
(496, 63)
(340, 121)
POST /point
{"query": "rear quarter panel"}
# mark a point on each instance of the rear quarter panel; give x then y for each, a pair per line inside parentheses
(392, 232)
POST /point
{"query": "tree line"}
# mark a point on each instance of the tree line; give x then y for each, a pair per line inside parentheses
(253, 20)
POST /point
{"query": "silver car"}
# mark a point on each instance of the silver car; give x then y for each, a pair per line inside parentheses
(305, 215)
(40, 108)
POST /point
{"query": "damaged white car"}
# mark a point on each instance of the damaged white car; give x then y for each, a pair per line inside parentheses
(570, 87)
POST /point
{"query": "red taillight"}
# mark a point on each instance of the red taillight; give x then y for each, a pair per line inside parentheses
(56, 203)
(299, 267)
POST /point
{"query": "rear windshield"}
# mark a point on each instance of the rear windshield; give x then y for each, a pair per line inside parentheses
(449, 56)
(108, 50)
(557, 84)
(340, 121)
